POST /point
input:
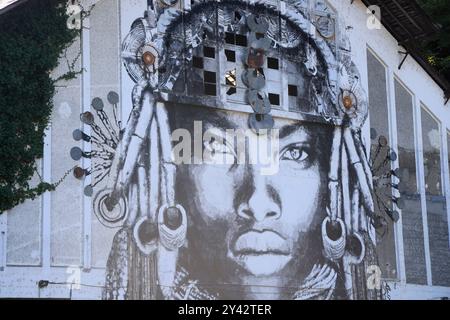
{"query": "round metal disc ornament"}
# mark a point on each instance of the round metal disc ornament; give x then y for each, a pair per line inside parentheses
(253, 79)
(133, 49)
(76, 153)
(97, 104)
(255, 59)
(147, 58)
(258, 122)
(348, 102)
(393, 156)
(79, 173)
(257, 24)
(259, 103)
(88, 191)
(262, 43)
(87, 118)
(113, 97)
(77, 135)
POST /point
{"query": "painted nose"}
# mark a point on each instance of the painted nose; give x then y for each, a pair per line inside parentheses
(263, 203)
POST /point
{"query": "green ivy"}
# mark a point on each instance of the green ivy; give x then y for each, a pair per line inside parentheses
(437, 49)
(32, 38)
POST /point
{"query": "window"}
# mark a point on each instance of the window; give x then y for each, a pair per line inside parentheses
(235, 54)
(210, 83)
(230, 38)
(435, 199)
(379, 123)
(274, 99)
(413, 238)
(209, 52)
(288, 83)
(197, 62)
(241, 40)
(272, 63)
(24, 231)
(236, 39)
(231, 55)
(292, 89)
(273, 76)
(203, 77)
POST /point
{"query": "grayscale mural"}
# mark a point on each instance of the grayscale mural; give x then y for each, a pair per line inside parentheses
(218, 87)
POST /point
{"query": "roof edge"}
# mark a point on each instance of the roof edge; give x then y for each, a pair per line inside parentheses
(411, 49)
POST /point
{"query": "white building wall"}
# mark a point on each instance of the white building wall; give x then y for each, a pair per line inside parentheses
(73, 244)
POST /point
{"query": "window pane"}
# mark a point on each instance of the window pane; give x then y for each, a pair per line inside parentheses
(24, 231)
(436, 203)
(103, 20)
(413, 240)
(66, 229)
(378, 108)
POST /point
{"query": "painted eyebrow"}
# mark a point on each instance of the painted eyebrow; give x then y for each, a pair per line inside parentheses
(288, 130)
(221, 122)
(216, 120)
(209, 117)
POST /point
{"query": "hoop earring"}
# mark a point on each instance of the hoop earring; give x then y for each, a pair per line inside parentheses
(145, 235)
(172, 226)
(333, 237)
(356, 249)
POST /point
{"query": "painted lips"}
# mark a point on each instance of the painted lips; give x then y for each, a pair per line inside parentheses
(259, 243)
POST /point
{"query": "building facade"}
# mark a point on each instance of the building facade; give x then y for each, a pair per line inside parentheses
(237, 149)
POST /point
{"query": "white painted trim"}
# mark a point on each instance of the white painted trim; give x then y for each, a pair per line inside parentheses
(365, 84)
(86, 163)
(419, 141)
(444, 164)
(3, 239)
(47, 201)
(284, 83)
(398, 227)
(446, 141)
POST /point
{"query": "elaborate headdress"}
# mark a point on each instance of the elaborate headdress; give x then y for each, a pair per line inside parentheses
(165, 55)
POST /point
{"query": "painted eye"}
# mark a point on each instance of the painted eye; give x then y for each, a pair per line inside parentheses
(216, 147)
(218, 151)
(295, 153)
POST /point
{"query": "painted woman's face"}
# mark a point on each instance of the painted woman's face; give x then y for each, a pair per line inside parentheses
(245, 222)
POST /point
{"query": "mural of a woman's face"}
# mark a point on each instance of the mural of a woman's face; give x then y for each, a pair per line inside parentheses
(233, 229)
(247, 225)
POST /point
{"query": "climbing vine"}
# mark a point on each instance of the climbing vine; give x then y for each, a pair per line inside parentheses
(33, 38)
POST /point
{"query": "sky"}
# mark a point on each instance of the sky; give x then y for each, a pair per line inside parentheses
(5, 3)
